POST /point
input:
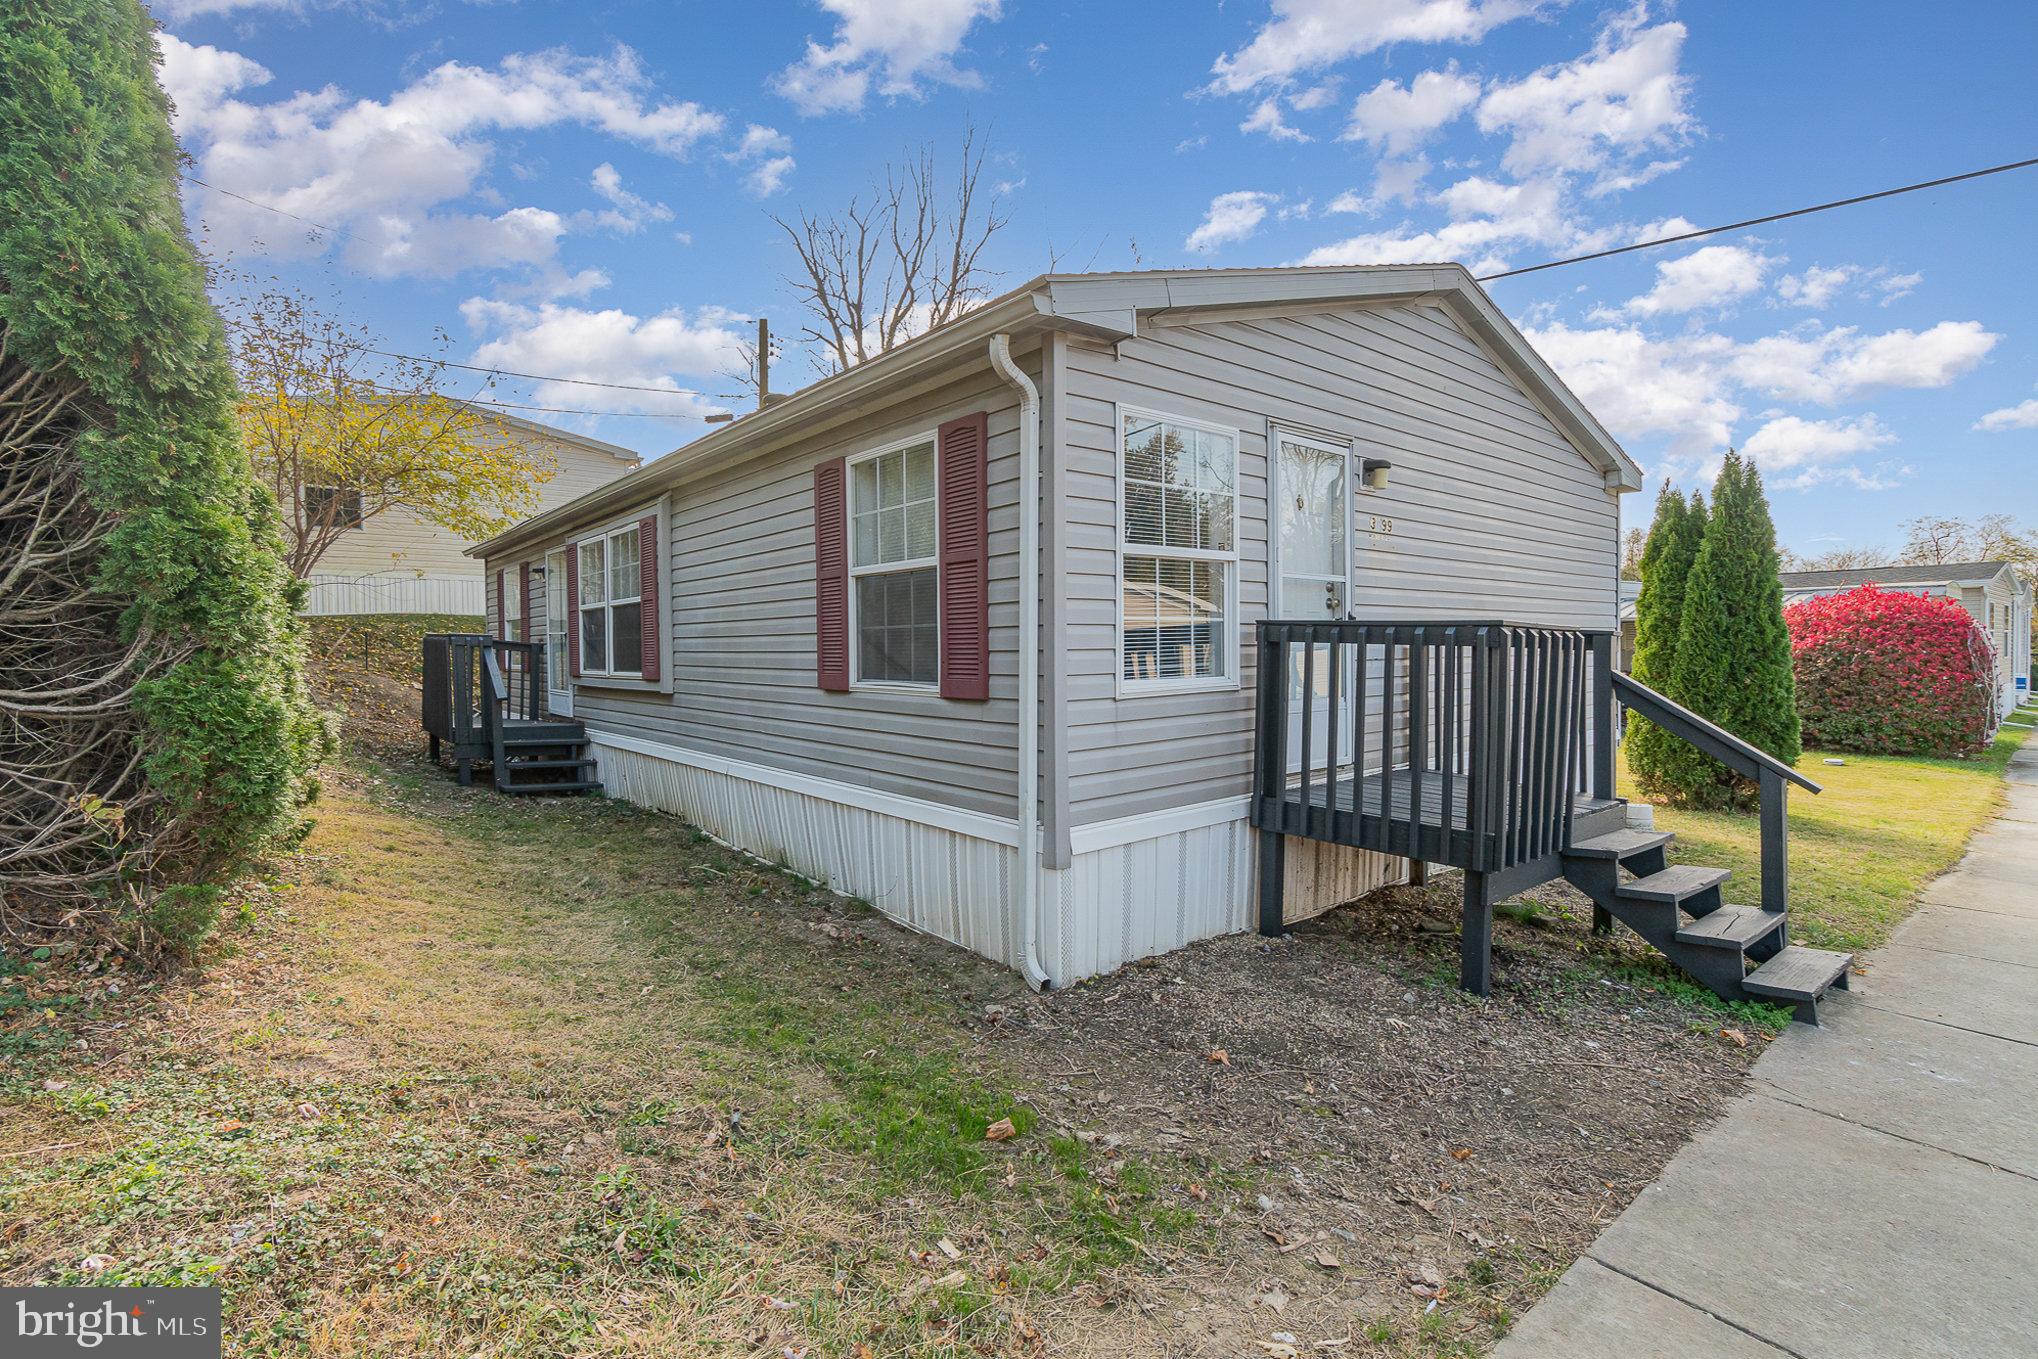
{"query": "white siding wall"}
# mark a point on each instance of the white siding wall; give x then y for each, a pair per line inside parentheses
(1494, 514)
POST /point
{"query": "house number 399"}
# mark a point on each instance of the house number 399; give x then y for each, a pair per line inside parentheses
(1381, 524)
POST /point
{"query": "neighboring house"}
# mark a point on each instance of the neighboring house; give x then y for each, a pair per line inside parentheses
(1630, 595)
(395, 562)
(803, 632)
(1993, 593)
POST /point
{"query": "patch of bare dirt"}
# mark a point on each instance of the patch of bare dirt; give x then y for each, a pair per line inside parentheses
(1397, 1141)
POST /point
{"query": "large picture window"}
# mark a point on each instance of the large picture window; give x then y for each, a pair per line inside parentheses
(1177, 553)
(894, 599)
(611, 607)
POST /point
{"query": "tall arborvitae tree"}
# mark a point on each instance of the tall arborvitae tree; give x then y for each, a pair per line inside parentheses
(1733, 649)
(1672, 547)
(155, 729)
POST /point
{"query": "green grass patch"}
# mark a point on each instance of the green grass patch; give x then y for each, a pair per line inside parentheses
(1864, 847)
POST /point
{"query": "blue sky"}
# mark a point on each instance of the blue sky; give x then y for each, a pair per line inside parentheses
(584, 190)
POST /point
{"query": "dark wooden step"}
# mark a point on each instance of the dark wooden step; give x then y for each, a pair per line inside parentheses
(1620, 844)
(1734, 927)
(563, 786)
(577, 762)
(1798, 974)
(546, 733)
(1674, 885)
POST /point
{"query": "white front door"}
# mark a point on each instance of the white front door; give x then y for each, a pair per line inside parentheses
(1313, 485)
(558, 677)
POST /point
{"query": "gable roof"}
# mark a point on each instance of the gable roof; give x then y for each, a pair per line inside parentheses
(1111, 307)
(565, 436)
(1942, 573)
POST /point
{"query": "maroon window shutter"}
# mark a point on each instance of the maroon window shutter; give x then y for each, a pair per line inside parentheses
(501, 608)
(961, 446)
(524, 595)
(573, 610)
(647, 587)
(831, 578)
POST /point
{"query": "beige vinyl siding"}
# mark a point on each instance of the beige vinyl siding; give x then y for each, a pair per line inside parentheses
(740, 564)
(1495, 515)
(396, 544)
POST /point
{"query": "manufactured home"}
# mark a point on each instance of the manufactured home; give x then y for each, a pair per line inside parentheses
(1994, 595)
(1128, 610)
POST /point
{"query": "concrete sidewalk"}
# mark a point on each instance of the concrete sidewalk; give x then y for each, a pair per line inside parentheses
(1876, 1192)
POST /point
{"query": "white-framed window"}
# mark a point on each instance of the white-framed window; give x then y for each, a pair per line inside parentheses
(611, 606)
(512, 604)
(894, 579)
(1177, 553)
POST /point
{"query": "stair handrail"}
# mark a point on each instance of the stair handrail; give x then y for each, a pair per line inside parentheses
(1772, 776)
(1716, 741)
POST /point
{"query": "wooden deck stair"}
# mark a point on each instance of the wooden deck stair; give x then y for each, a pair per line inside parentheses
(1737, 952)
(547, 756)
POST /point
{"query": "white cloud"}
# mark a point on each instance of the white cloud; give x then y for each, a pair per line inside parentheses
(610, 345)
(1315, 97)
(1232, 217)
(896, 46)
(2023, 415)
(772, 152)
(767, 177)
(1266, 117)
(1893, 286)
(1597, 114)
(627, 212)
(1309, 35)
(1816, 287)
(1641, 386)
(1707, 277)
(1485, 216)
(1398, 118)
(1839, 364)
(382, 170)
(1803, 452)
(199, 77)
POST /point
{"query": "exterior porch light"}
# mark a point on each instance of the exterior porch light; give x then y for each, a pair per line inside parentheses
(1373, 473)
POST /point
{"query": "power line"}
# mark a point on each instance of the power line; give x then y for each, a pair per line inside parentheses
(1759, 221)
(256, 203)
(544, 377)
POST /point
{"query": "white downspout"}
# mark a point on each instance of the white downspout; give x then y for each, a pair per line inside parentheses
(1028, 733)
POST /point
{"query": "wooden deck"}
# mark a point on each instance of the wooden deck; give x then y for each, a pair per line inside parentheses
(1374, 812)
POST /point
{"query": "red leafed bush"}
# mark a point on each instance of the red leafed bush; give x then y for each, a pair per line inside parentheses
(1892, 674)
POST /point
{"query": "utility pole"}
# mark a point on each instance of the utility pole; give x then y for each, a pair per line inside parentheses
(763, 363)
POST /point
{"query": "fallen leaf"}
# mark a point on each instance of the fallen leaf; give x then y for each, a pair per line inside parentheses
(1461, 1154)
(1735, 1036)
(1219, 1057)
(1275, 1298)
(1279, 1349)
(1000, 1130)
(949, 1248)
(1198, 1192)
(231, 1125)
(1326, 1259)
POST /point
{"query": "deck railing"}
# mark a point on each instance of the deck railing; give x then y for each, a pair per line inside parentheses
(1461, 743)
(473, 684)
(1771, 776)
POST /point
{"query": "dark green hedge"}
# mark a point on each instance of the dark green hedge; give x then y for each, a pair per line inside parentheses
(98, 281)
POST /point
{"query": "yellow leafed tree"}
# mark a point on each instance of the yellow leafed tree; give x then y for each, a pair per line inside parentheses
(342, 433)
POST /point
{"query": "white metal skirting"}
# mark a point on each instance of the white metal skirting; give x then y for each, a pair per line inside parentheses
(1130, 898)
(394, 593)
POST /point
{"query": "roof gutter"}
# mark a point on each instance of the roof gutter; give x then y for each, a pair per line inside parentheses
(1028, 726)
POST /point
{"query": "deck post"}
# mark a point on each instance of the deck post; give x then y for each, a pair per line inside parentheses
(435, 747)
(1602, 717)
(1418, 873)
(1775, 841)
(1273, 883)
(466, 769)
(1475, 965)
